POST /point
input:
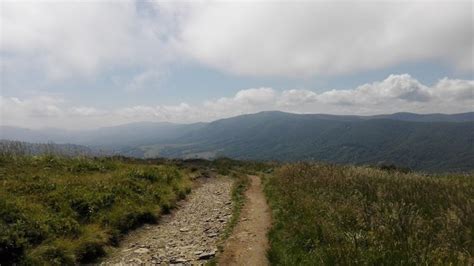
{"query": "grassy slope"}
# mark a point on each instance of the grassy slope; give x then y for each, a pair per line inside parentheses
(60, 211)
(353, 215)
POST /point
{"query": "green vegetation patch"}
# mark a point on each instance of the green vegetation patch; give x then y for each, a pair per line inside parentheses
(240, 185)
(58, 210)
(345, 215)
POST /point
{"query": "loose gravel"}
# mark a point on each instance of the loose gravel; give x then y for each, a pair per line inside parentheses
(188, 236)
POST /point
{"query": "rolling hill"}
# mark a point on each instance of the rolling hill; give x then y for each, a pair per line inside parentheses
(433, 142)
(425, 145)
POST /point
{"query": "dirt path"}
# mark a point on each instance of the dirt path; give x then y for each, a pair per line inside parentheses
(248, 243)
(188, 236)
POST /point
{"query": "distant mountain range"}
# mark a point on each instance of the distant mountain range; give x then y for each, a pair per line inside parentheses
(434, 142)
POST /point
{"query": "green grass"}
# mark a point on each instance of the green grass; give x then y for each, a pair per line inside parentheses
(57, 210)
(345, 215)
(238, 198)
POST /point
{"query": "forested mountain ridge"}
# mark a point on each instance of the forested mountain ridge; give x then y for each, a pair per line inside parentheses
(434, 142)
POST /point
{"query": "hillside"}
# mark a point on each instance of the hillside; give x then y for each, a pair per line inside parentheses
(431, 142)
(463, 117)
(434, 146)
(126, 135)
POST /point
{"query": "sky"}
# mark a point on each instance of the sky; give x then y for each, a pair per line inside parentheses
(89, 64)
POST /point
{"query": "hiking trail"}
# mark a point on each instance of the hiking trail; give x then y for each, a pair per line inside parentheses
(248, 243)
(189, 235)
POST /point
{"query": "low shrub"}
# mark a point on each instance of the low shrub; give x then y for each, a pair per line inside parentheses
(50, 254)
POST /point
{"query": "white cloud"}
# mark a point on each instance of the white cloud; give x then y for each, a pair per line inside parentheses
(395, 87)
(79, 38)
(325, 37)
(85, 111)
(297, 97)
(394, 94)
(244, 101)
(159, 112)
(455, 90)
(14, 109)
(255, 96)
(85, 38)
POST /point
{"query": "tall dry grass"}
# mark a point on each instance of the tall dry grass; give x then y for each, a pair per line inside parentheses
(345, 215)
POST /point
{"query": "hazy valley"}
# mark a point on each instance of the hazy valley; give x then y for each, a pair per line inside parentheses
(430, 142)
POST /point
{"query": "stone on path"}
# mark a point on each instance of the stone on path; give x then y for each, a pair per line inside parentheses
(141, 251)
(207, 255)
(188, 236)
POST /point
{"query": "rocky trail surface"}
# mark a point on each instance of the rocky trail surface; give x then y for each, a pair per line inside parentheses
(248, 243)
(188, 236)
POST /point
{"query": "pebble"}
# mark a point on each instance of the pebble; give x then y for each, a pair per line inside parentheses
(189, 236)
(141, 251)
(207, 255)
(178, 260)
(136, 260)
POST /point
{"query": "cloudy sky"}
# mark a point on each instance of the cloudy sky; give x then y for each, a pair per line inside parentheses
(87, 64)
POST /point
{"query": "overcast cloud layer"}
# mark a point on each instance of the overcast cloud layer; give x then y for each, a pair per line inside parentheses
(262, 38)
(327, 38)
(43, 43)
(396, 92)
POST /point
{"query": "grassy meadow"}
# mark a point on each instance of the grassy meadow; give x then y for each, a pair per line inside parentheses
(346, 215)
(60, 210)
